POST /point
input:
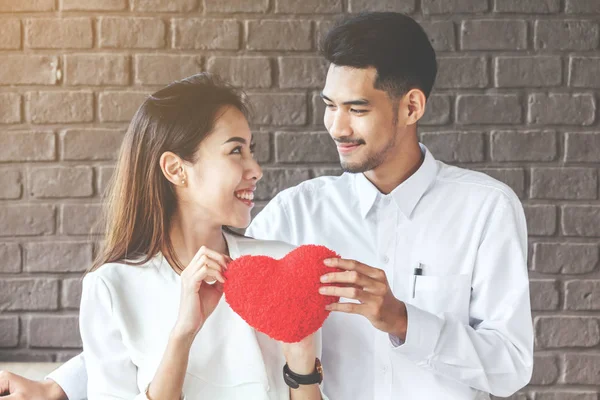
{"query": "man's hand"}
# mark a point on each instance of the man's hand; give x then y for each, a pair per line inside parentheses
(15, 387)
(370, 287)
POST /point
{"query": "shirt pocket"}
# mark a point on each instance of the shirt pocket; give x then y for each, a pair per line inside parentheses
(443, 294)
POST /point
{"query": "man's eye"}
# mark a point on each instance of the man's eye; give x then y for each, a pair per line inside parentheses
(355, 111)
(329, 105)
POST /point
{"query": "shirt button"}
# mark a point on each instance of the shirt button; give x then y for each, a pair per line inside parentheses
(385, 259)
(384, 369)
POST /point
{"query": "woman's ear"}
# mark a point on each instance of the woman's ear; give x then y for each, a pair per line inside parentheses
(172, 168)
(414, 106)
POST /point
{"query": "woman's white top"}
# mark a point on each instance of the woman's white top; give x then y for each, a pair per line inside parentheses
(126, 316)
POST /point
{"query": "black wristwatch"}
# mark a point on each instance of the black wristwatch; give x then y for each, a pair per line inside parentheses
(294, 380)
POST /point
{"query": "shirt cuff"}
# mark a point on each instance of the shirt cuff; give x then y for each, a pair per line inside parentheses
(72, 378)
(422, 334)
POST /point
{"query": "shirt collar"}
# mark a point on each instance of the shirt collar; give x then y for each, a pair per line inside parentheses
(407, 194)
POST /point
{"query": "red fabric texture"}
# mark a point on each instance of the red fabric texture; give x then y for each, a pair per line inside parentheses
(281, 297)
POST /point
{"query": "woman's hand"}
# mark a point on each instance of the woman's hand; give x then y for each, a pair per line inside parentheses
(301, 356)
(17, 387)
(198, 298)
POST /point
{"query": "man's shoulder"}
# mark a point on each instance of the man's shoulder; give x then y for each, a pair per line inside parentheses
(307, 190)
(473, 182)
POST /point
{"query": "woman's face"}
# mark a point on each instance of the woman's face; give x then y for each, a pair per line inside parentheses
(221, 183)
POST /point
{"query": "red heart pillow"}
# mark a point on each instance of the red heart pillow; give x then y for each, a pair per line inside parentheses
(281, 297)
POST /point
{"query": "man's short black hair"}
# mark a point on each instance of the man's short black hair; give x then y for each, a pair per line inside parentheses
(393, 43)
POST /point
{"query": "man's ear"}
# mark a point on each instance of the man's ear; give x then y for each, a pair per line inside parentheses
(413, 105)
(172, 168)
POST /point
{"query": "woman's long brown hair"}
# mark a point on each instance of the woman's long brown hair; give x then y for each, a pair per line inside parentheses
(140, 199)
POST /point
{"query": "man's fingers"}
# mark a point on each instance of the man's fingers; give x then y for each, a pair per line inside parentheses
(356, 279)
(347, 292)
(348, 308)
(353, 265)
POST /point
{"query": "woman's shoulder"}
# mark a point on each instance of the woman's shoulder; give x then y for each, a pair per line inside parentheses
(121, 271)
(255, 247)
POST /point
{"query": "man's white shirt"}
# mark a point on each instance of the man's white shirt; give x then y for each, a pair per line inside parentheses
(469, 321)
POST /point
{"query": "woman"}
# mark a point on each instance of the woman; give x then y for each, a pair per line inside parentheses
(153, 319)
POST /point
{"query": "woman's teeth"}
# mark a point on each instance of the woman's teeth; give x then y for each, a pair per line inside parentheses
(245, 195)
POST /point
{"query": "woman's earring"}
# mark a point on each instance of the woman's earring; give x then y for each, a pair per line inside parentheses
(183, 181)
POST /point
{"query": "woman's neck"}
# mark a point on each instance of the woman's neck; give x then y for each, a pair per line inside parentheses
(188, 235)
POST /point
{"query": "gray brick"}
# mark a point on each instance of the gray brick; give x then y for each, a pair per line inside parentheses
(162, 69)
(61, 182)
(523, 146)
(564, 258)
(556, 332)
(54, 331)
(93, 5)
(453, 6)
(9, 331)
(10, 184)
(135, 33)
(545, 369)
(308, 7)
(489, 34)
(517, 72)
(580, 220)
(96, 69)
(105, 173)
(318, 110)
(119, 106)
(11, 34)
(461, 72)
(582, 295)
(81, 219)
(58, 33)
(527, 7)
(276, 180)
(302, 72)
(545, 295)
(231, 6)
(25, 294)
(562, 395)
(245, 72)
(164, 5)
(27, 5)
(583, 72)
(27, 146)
(70, 296)
(10, 258)
(327, 171)
(91, 144)
(513, 177)
(437, 110)
(10, 108)
(25, 355)
(402, 6)
(564, 183)
(26, 220)
(262, 150)
(441, 35)
(58, 256)
(581, 369)
(561, 108)
(566, 35)
(278, 35)
(60, 107)
(206, 34)
(455, 146)
(582, 7)
(488, 109)
(28, 69)
(322, 28)
(541, 219)
(305, 147)
(278, 109)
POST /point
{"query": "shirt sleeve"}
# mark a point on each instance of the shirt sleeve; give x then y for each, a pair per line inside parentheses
(272, 223)
(72, 378)
(111, 373)
(494, 353)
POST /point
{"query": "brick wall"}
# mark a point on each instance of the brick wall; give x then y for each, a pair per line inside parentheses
(516, 97)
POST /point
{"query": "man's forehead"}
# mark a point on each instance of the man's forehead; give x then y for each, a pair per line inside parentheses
(344, 83)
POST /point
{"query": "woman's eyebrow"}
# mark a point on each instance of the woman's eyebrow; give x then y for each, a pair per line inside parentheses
(236, 139)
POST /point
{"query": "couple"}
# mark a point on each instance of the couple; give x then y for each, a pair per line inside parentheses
(435, 288)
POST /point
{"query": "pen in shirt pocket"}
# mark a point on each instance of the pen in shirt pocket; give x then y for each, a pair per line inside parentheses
(416, 272)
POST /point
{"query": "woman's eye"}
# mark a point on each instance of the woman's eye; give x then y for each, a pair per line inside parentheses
(237, 150)
(252, 147)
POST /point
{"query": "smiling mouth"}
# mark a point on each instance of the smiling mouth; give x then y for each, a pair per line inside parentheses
(245, 196)
(346, 148)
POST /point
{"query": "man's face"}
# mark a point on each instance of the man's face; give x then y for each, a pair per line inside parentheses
(362, 120)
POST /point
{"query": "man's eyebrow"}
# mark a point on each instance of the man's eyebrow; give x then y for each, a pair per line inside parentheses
(357, 102)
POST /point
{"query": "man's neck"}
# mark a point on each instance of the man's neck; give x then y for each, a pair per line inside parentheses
(397, 169)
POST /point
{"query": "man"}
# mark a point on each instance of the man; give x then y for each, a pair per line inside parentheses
(435, 294)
